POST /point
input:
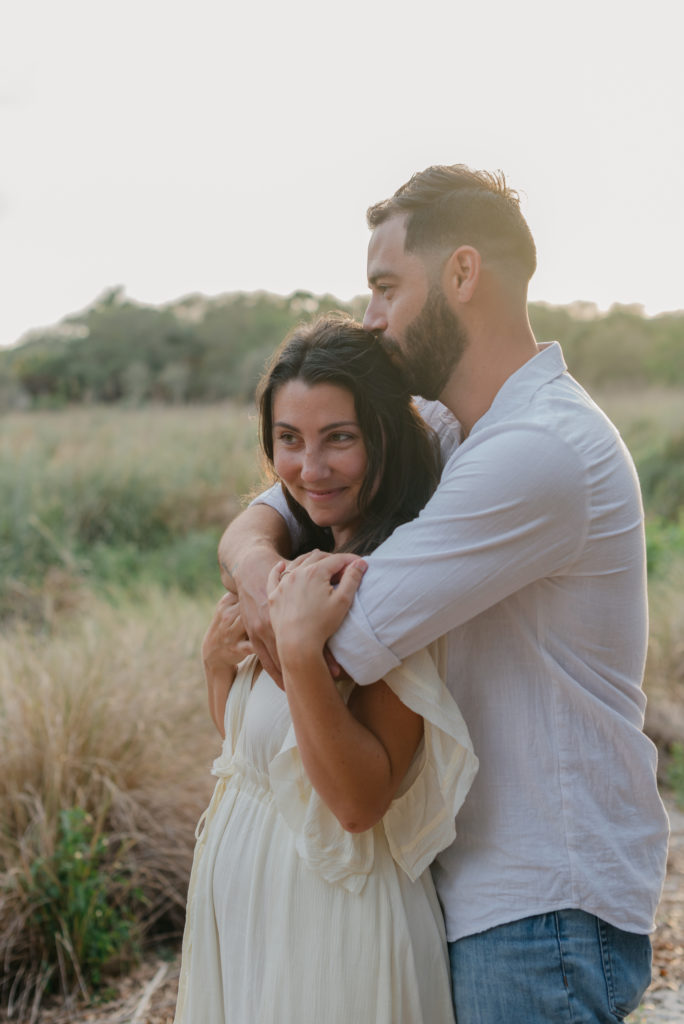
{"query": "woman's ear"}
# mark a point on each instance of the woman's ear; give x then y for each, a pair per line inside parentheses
(461, 274)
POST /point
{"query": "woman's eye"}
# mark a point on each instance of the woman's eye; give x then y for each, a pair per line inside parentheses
(340, 436)
(286, 438)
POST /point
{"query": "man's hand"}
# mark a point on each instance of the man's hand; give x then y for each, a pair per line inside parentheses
(248, 550)
(251, 583)
(224, 646)
(225, 643)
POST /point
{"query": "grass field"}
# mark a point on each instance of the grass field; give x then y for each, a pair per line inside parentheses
(109, 522)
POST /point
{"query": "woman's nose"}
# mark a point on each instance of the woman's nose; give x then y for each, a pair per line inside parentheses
(313, 466)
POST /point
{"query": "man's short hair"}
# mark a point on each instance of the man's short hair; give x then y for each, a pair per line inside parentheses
(449, 206)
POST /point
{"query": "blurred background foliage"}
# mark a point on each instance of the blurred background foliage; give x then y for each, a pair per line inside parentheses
(117, 350)
(202, 349)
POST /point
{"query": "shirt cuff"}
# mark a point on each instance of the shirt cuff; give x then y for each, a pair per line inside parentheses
(357, 649)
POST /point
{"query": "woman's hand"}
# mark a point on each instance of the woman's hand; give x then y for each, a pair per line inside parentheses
(224, 646)
(309, 597)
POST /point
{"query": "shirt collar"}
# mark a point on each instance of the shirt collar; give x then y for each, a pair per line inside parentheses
(521, 385)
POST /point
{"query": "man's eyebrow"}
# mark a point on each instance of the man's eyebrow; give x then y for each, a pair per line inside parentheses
(374, 278)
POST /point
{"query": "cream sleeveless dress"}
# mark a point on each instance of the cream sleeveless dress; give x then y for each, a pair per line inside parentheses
(292, 920)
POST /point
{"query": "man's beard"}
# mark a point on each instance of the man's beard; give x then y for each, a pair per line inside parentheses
(433, 344)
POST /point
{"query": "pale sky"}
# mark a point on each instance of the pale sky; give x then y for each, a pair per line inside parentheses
(177, 147)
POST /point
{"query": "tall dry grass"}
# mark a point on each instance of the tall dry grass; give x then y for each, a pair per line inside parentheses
(664, 678)
(107, 714)
(649, 419)
(99, 492)
(644, 416)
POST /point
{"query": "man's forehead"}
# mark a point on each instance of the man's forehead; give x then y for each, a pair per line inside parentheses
(389, 232)
(386, 250)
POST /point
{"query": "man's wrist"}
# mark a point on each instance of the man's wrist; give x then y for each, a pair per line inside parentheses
(259, 559)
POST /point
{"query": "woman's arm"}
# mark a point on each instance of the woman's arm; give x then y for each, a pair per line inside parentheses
(224, 646)
(355, 755)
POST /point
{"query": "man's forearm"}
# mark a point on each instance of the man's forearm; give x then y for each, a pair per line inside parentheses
(255, 532)
(248, 550)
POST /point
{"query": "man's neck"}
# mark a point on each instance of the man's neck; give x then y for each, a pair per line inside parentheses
(491, 357)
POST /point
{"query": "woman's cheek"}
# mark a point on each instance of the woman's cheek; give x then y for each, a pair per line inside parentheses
(285, 465)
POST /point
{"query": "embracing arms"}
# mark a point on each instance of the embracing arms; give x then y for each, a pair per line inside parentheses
(355, 754)
(510, 509)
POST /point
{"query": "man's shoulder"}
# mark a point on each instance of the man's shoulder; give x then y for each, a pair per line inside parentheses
(443, 422)
(434, 413)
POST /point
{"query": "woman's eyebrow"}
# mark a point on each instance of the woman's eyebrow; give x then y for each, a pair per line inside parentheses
(339, 423)
(322, 430)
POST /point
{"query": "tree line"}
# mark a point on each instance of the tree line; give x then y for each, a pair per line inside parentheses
(201, 349)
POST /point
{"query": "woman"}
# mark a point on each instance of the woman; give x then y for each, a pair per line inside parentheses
(310, 897)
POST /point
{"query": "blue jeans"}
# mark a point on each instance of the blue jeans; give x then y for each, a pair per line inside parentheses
(567, 967)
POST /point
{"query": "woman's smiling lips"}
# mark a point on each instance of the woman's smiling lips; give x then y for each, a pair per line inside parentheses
(322, 495)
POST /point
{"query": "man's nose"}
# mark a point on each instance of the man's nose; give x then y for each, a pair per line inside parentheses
(374, 318)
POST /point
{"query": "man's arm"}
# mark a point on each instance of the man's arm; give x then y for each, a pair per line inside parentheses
(252, 544)
(500, 519)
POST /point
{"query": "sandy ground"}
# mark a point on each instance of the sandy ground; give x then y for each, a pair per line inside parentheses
(664, 1002)
(148, 996)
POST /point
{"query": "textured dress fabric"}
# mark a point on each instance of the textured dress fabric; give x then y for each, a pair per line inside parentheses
(292, 919)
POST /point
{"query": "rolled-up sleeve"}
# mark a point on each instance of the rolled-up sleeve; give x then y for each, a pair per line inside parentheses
(511, 508)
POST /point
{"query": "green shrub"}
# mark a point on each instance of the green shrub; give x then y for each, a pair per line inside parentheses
(187, 563)
(119, 496)
(675, 772)
(84, 905)
(105, 746)
(662, 478)
(664, 543)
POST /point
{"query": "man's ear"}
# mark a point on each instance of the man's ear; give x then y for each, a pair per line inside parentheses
(461, 274)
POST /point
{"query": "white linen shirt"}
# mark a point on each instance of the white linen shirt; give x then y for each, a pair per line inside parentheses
(530, 557)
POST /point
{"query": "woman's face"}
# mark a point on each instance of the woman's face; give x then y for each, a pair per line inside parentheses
(319, 453)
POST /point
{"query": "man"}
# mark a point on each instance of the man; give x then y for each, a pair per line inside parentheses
(530, 557)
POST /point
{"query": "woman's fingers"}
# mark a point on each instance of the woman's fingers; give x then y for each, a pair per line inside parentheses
(333, 564)
(308, 601)
(349, 581)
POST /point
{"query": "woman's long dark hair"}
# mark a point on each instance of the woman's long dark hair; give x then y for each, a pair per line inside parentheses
(403, 453)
